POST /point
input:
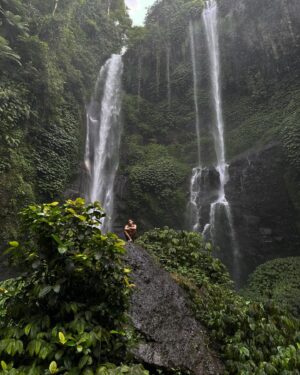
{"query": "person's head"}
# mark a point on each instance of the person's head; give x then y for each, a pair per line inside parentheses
(130, 222)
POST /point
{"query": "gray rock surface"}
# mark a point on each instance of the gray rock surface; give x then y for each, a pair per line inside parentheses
(264, 215)
(160, 312)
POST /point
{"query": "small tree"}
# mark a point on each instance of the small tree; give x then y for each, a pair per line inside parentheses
(68, 314)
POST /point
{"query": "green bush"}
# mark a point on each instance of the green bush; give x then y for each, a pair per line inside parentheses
(155, 190)
(185, 251)
(252, 338)
(66, 313)
(279, 281)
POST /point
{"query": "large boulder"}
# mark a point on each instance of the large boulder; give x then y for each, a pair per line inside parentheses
(161, 313)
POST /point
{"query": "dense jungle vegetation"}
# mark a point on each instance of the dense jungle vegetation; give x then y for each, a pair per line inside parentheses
(49, 58)
(76, 290)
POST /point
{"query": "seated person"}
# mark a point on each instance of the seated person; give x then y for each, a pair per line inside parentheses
(130, 231)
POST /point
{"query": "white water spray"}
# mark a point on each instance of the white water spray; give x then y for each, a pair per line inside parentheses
(210, 19)
(103, 137)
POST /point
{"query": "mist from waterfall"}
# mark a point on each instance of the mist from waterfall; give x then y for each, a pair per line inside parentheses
(103, 137)
(220, 209)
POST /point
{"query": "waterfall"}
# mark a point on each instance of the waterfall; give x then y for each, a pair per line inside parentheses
(103, 137)
(139, 80)
(211, 28)
(168, 77)
(220, 209)
(195, 82)
(157, 72)
(195, 184)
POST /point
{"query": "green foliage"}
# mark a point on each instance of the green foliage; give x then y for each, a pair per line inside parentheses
(12, 26)
(253, 338)
(110, 369)
(6, 52)
(291, 139)
(57, 154)
(158, 177)
(16, 170)
(8, 288)
(155, 182)
(181, 250)
(279, 281)
(76, 289)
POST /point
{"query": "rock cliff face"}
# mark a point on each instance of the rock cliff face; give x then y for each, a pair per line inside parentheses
(160, 312)
(264, 216)
(259, 39)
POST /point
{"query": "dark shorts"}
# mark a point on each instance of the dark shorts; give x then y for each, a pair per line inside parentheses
(132, 235)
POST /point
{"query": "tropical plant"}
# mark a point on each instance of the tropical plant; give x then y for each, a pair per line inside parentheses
(66, 313)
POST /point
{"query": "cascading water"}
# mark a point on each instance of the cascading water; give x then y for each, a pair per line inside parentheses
(139, 80)
(169, 92)
(211, 28)
(220, 209)
(195, 184)
(157, 73)
(103, 137)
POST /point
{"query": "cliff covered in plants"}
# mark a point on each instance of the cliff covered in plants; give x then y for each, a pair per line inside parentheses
(259, 58)
(50, 55)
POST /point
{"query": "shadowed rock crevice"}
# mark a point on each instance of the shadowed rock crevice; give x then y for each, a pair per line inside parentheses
(160, 312)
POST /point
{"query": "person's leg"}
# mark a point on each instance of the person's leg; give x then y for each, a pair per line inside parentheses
(127, 236)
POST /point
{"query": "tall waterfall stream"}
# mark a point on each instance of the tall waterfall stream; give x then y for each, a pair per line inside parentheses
(220, 210)
(195, 184)
(103, 137)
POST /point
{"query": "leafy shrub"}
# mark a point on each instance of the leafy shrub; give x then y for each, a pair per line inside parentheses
(253, 338)
(154, 191)
(67, 313)
(279, 281)
(185, 251)
(291, 139)
(157, 176)
(7, 289)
